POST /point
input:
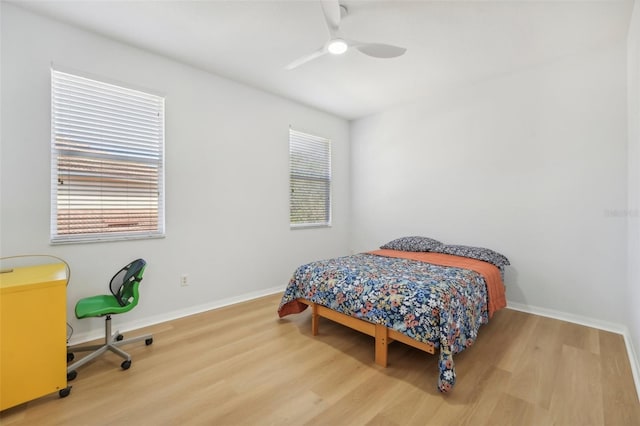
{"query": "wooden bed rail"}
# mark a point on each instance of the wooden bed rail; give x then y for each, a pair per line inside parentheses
(383, 335)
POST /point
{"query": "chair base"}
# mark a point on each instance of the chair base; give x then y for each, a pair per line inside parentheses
(111, 343)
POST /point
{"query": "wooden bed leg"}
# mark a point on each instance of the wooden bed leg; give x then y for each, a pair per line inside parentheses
(315, 319)
(382, 338)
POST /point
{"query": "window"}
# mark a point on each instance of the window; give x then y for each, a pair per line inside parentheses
(310, 180)
(107, 161)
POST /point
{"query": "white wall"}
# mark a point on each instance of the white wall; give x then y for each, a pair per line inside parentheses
(531, 164)
(632, 296)
(227, 181)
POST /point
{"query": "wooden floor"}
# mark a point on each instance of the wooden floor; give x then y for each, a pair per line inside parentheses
(241, 365)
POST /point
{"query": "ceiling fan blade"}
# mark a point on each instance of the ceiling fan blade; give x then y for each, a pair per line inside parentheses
(306, 58)
(331, 10)
(379, 50)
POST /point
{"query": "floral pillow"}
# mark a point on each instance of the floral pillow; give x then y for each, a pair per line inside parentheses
(412, 244)
(479, 253)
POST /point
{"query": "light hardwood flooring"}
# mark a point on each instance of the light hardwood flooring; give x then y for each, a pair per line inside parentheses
(241, 365)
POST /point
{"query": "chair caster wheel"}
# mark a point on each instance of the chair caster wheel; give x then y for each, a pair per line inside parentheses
(149, 341)
(70, 356)
(119, 337)
(65, 392)
(71, 375)
(125, 364)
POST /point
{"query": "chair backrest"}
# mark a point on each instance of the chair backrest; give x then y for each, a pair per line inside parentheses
(124, 284)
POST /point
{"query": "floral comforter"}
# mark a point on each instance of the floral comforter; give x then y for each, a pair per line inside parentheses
(430, 303)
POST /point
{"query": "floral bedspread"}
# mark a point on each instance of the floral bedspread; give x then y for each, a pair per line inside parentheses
(439, 304)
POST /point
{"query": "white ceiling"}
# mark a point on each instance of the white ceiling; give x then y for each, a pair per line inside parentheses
(449, 43)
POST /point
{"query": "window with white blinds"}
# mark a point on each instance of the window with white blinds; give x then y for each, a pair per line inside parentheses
(310, 180)
(107, 155)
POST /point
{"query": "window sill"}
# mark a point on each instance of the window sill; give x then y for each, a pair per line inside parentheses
(310, 226)
(103, 239)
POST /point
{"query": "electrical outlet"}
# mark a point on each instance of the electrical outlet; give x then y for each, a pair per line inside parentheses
(184, 280)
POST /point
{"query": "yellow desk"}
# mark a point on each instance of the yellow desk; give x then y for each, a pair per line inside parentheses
(33, 333)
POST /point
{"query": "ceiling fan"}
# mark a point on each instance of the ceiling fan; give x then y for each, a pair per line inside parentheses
(337, 45)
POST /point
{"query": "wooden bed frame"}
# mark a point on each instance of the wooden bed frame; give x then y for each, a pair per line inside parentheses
(383, 335)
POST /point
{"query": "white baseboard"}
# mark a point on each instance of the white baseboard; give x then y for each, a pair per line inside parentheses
(168, 316)
(589, 322)
(634, 360)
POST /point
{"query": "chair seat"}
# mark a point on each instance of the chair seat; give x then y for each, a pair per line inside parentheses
(97, 306)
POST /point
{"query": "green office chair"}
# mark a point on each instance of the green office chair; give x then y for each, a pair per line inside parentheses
(124, 297)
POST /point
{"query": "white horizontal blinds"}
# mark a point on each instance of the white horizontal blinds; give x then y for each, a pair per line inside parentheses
(310, 179)
(107, 161)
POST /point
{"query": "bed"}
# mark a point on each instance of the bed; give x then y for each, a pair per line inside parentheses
(415, 290)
